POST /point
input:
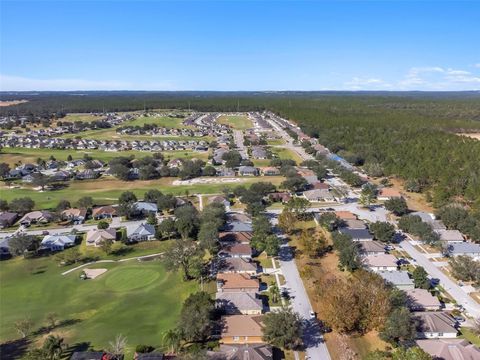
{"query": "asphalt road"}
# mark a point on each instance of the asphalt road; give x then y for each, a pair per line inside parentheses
(238, 139)
(462, 298)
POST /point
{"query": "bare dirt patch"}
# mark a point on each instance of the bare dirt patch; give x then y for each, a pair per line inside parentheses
(12, 102)
(94, 273)
(475, 136)
(198, 181)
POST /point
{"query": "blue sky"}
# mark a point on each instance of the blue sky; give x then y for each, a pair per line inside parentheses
(244, 45)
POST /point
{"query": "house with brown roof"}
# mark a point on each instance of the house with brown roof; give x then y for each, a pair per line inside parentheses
(269, 171)
(36, 217)
(320, 186)
(435, 325)
(236, 250)
(241, 329)
(237, 265)
(96, 237)
(283, 197)
(241, 237)
(450, 349)
(385, 194)
(345, 215)
(234, 282)
(220, 200)
(7, 219)
(422, 300)
(74, 215)
(381, 262)
(103, 212)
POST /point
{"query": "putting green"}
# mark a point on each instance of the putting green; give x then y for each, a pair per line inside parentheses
(127, 279)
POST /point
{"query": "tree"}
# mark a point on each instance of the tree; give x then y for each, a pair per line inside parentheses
(68, 256)
(19, 244)
(4, 170)
(166, 228)
(272, 245)
(152, 219)
(465, 268)
(399, 327)
(120, 171)
(294, 183)
(22, 205)
(106, 245)
(3, 205)
(274, 293)
(23, 327)
(186, 221)
(53, 347)
(400, 353)
(298, 205)
(41, 180)
(420, 278)
(397, 205)
(85, 202)
(52, 318)
(196, 317)
(383, 231)
(208, 237)
(287, 221)
(102, 224)
(368, 195)
(152, 196)
(181, 256)
(348, 254)
(329, 221)
(118, 345)
(63, 205)
(313, 243)
(171, 339)
(126, 204)
(283, 329)
(214, 214)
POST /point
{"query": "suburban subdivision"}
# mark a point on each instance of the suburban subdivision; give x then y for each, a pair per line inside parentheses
(220, 231)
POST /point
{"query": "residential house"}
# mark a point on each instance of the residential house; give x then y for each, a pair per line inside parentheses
(87, 174)
(142, 232)
(269, 171)
(236, 250)
(380, 262)
(239, 303)
(320, 186)
(463, 248)
(234, 282)
(36, 217)
(241, 329)
(429, 218)
(146, 207)
(242, 352)
(371, 248)
(241, 237)
(422, 300)
(282, 197)
(357, 234)
(103, 212)
(388, 194)
(75, 215)
(239, 217)
(318, 195)
(247, 171)
(57, 242)
(450, 349)
(450, 236)
(237, 265)
(7, 219)
(225, 172)
(354, 224)
(237, 226)
(95, 237)
(399, 279)
(435, 324)
(345, 215)
(259, 153)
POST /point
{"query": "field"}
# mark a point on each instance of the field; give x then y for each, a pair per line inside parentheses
(107, 190)
(137, 300)
(237, 122)
(24, 155)
(85, 117)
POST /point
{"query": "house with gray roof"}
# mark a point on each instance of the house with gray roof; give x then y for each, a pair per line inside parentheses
(146, 207)
(239, 303)
(237, 226)
(7, 219)
(142, 232)
(435, 325)
(422, 300)
(371, 247)
(357, 234)
(450, 236)
(248, 171)
(399, 279)
(57, 242)
(450, 349)
(318, 195)
(237, 265)
(463, 248)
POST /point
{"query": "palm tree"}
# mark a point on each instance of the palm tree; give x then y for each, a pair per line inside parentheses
(274, 293)
(53, 347)
(118, 345)
(171, 339)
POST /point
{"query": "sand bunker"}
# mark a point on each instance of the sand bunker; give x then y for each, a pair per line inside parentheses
(93, 273)
(199, 181)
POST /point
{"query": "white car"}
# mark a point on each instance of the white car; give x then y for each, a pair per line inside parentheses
(312, 315)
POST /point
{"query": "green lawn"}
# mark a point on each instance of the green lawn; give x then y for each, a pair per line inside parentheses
(276, 142)
(137, 300)
(238, 122)
(163, 121)
(470, 336)
(14, 155)
(284, 153)
(107, 190)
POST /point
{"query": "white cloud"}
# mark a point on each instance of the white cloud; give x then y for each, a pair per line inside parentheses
(362, 83)
(18, 83)
(477, 65)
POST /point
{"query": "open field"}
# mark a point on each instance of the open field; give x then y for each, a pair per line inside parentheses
(85, 117)
(284, 153)
(24, 155)
(107, 190)
(237, 122)
(137, 300)
(162, 121)
(276, 142)
(11, 103)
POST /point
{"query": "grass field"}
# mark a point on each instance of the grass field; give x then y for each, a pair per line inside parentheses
(137, 300)
(163, 121)
(470, 336)
(284, 153)
(24, 155)
(107, 190)
(237, 122)
(72, 117)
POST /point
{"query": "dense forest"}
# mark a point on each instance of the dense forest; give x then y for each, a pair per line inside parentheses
(411, 135)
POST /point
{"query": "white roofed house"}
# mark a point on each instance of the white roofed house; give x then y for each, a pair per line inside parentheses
(381, 262)
(463, 249)
(96, 237)
(435, 325)
(146, 207)
(36, 217)
(318, 195)
(450, 236)
(142, 232)
(57, 242)
(399, 279)
(422, 300)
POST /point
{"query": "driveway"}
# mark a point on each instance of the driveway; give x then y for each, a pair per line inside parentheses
(471, 306)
